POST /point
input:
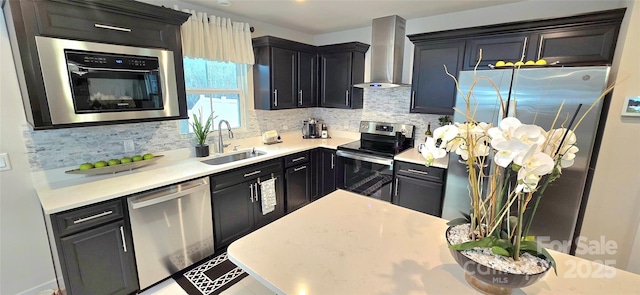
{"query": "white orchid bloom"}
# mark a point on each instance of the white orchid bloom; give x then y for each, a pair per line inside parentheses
(507, 150)
(528, 183)
(445, 133)
(530, 135)
(533, 162)
(568, 150)
(430, 152)
(505, 130)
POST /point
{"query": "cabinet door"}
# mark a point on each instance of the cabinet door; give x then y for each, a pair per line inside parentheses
(233, 215)
(504, 47)
(419, 195)
(298, 186)
(100, 261)
(587, 45)
(307, 79)
(336, 80)
(328, 172)
(283, 73)
(264, 219)
(432, 90)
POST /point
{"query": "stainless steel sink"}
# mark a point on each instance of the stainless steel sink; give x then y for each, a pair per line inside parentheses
(224, 159)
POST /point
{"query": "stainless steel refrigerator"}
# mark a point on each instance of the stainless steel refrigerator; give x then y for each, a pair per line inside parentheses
(538, 93)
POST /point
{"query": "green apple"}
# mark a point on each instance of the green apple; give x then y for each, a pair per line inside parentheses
(113, 162)
(86, 166)
(136, 158)
(125, 160)
(147, 156)
(100, 164)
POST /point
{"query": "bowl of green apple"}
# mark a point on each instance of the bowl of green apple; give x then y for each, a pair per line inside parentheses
(115, 165)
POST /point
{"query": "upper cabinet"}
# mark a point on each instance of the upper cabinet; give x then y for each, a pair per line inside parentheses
(581, 40)
(285, 74)
(342, 66)
(432, 90)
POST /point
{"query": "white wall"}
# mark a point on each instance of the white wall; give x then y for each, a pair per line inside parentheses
(614, 201)
(25, 259)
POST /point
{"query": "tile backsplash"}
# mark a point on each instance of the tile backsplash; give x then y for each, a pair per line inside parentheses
(49, 149)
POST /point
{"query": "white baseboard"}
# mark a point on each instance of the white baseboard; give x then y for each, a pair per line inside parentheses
(51, 285)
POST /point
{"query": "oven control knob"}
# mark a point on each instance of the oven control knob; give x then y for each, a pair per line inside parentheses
(404, 131)
(364, 127)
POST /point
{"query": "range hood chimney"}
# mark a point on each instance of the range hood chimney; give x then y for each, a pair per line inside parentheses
(387, 52)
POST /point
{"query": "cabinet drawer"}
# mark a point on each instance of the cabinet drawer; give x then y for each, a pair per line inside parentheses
(420, 171)
(260, 170)
(58, 19)
(79, 219)
(296, 159)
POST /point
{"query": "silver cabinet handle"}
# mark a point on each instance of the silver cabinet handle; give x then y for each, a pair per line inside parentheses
(299, 168)
(81, 220)
(418, 171)
(524, 47)
(396, 186)
(298, 159)
(413, 99)
(333, 164)
(300, 97)
(101, 26)
(275, 97)
(251, 189)
(256, 194)
(540, 47)
(252, 173)
(346, 98)
(124, 243)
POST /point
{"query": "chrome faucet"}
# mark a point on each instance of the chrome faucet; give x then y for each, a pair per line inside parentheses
(221, 144)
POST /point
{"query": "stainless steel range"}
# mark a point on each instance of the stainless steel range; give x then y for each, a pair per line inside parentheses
(366, 166)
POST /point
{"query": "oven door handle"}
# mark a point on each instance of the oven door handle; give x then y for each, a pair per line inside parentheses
(367, 158)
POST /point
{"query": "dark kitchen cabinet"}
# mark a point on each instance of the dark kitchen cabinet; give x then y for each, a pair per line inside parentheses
(129, 23)
(419, 188)
(342, 66)
(507, 47)
(432, 90)
(298, 180)
(323, 174)
(237, 200)
(585, 45)
(94, 249)
(285, 74)
(99, 261)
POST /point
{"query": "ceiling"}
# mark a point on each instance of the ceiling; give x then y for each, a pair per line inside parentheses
(316, 17)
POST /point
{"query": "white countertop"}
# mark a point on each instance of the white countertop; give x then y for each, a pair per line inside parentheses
(59, 192)
(345, 243)
(413, 156)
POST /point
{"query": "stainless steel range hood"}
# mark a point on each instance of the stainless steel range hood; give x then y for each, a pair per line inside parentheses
(387, 52)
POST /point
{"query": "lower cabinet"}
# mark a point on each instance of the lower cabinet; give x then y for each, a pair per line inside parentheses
(323, 174)
(419, 188)
(99, 261)
(298, 179)
(95, 249)
(236, 198)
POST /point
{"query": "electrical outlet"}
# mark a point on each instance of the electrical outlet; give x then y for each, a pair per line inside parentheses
(285, 127)
(129, 146)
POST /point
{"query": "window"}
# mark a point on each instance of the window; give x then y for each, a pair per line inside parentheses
(214, 87)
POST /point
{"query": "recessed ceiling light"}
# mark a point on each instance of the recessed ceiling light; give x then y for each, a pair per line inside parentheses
(224, 2)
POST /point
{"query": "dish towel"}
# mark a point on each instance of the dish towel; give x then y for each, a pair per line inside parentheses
(268, 190)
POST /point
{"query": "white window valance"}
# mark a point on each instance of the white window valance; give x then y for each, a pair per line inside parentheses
(216, 38)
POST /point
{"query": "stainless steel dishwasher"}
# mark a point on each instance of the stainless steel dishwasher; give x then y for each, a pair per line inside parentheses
(172, 228)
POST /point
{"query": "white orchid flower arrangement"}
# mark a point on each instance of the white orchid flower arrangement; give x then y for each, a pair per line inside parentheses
(509, 167)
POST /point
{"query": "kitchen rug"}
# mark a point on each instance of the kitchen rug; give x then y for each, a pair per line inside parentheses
(211, 277)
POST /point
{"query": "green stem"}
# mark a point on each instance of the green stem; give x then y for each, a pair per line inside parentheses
(539, 193)
(518, 237)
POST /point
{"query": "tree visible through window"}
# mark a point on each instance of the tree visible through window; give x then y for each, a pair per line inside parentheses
(214, 86)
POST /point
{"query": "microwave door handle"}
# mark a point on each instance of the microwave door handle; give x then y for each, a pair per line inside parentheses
(116, 70)
(368, 158)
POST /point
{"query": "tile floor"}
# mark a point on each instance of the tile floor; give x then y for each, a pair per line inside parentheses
(247, 286)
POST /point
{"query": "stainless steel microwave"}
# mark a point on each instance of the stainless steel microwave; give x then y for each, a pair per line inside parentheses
(88, 82)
